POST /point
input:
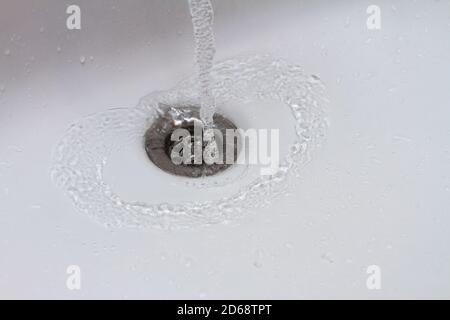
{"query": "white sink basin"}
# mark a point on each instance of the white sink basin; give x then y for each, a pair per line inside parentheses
(378, 192)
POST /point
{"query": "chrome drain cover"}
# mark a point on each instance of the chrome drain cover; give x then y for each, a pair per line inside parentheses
(159, 142)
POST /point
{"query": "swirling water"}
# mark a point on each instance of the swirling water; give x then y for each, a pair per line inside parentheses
(80, 157)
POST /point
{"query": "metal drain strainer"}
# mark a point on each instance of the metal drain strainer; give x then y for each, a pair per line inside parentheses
(159, 144)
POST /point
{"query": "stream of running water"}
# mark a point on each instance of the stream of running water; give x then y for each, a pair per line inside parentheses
(202, 20)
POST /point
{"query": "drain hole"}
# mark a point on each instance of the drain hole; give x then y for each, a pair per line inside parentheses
(164, 152)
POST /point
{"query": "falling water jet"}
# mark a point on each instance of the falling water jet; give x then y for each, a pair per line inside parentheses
(202, 20)
(157, 138)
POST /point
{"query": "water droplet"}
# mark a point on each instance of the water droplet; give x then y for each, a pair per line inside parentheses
(7, 52)
(327, 257)
(82, 59)
(402, 138)
(392, 89)
(258, 259)
(289, 245)
(15, 149)
(187, 262)
(314, 79)
(58, 49)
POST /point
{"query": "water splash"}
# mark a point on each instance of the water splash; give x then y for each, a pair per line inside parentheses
(202, 20)
(80, 157)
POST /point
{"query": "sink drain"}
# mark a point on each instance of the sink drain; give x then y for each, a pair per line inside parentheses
(161, 144)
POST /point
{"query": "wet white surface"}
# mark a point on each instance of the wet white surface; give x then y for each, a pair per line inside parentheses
(377, 193)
